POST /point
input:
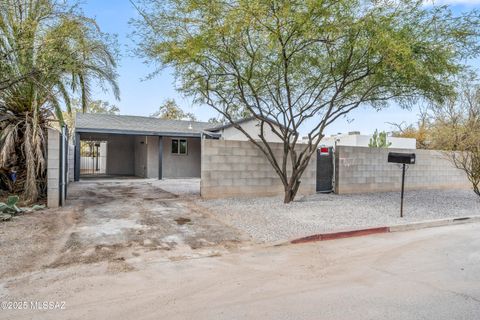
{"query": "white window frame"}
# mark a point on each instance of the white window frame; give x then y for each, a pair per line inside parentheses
(178, 149)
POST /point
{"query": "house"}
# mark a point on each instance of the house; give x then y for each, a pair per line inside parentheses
(138, 146)
(355, 139)
(117, 145)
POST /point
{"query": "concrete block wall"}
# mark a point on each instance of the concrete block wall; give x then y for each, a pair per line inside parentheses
(239, 168)
(71, 162)
(53, 168)
(363, 169)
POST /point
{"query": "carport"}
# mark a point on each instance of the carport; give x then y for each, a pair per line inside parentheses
(144, 147)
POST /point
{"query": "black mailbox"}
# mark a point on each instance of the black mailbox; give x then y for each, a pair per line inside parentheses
(405, 158)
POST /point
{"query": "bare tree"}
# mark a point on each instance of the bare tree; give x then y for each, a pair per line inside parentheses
(456, 129)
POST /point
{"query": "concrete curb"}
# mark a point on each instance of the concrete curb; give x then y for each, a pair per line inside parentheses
(386, 229)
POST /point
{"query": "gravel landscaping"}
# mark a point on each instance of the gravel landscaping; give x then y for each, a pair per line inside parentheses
(268, 219)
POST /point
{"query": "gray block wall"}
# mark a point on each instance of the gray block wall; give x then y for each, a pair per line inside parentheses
(239, 168)
(53, 168)
(71, 162)
(363, 169)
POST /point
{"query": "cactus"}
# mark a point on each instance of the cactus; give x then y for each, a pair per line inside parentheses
(10, 207)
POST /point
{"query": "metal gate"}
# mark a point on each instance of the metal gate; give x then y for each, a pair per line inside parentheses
(92, 157)
(325, 169)
(62, 181)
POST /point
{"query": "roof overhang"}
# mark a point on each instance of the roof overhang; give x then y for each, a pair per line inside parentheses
(139, 132)
(212, 134)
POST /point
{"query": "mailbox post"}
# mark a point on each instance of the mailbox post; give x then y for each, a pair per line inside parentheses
(404, 159)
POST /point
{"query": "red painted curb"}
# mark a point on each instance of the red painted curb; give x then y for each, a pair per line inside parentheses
(340, 235)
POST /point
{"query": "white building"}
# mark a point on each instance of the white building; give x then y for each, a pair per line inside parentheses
(355, 139)
(251, 126)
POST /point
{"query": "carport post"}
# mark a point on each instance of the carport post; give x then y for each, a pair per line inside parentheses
(160, 157)
(76, 166)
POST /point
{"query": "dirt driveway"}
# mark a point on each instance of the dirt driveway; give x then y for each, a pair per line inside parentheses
(116, 221)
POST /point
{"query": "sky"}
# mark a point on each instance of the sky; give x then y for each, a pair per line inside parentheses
(143, 97)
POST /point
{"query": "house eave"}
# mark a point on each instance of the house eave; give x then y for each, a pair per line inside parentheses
(139, 133)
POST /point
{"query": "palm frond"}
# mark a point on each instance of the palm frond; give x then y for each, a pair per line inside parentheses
(54, 54)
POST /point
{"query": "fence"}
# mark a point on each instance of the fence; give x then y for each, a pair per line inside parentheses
(363, 169)
(238, 168)
(93, 157)
(57, 167)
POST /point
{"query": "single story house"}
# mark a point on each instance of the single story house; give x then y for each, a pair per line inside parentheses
(146, 147)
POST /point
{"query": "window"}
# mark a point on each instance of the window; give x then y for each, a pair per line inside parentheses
(179, 146)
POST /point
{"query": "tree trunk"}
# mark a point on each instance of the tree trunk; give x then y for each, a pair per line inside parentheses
(291, 190)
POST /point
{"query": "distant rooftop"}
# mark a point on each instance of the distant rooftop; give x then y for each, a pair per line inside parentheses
(106, 123)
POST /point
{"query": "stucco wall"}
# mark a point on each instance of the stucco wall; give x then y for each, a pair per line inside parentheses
(140, 156)
(127, 155)
(363, 169)
(120, 152)
(181, 165)
(238, 168)
(120, 155)
(152, 157)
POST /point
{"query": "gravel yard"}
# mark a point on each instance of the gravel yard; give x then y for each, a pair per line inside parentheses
(268, 219)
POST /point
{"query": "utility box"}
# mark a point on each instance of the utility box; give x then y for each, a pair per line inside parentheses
(405, 158)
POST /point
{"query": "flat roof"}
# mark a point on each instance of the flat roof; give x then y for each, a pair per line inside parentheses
(137, 125)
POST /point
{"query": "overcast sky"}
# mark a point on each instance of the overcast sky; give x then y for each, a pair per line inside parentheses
(143, 97)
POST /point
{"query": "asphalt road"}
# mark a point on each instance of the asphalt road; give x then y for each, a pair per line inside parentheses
(425, 274)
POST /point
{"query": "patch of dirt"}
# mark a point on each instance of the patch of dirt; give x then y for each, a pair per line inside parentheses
(108, 221)
(181, 221)
(76, 253)
(119, 265)
(29, 240)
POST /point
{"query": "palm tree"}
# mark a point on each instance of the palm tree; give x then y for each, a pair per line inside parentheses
(50, 53)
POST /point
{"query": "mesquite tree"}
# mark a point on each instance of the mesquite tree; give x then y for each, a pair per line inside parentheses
(304, 63)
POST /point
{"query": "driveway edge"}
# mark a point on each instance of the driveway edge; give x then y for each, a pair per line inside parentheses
(385, 229)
